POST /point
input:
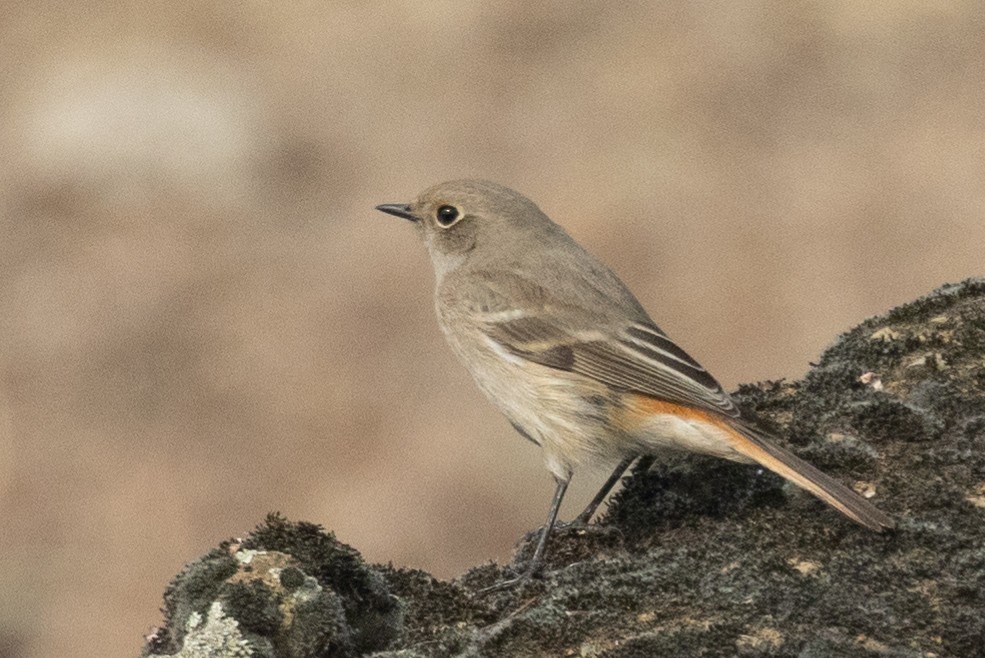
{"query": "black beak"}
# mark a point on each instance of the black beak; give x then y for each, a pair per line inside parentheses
(398, 210)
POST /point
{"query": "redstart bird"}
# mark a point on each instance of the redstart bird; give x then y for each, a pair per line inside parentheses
(558, 343)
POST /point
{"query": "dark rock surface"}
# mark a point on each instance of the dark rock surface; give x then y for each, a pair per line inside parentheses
(697, 557)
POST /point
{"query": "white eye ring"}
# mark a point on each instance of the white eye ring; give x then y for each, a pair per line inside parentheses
(447, 216)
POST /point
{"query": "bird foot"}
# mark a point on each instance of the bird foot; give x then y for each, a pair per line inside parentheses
(531, 572)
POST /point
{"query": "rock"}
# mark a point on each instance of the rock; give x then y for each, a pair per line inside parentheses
(694, 557)
(288, 590)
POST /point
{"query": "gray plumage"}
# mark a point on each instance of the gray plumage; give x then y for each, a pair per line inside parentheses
(569, 355)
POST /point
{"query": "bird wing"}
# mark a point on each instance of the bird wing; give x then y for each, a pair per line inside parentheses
(599, 343)
(635, 356)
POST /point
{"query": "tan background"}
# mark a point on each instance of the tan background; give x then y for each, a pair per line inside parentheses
(204, 320)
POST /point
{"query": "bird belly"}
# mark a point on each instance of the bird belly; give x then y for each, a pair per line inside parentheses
(566, 414)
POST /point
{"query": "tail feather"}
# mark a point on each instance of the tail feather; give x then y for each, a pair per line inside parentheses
(759, 448)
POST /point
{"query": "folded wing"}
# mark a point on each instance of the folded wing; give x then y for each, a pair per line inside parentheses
(637, 357)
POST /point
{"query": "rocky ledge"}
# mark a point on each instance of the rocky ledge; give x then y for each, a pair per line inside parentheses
(698, 557)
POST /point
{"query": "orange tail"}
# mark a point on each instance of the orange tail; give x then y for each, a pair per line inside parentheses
(756, 446)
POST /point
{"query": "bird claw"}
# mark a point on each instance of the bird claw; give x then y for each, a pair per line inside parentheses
(576, 523)
(528, 574)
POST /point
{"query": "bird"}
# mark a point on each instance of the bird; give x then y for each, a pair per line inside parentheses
(558, 343)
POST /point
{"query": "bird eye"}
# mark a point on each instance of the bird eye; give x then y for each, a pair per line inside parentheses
(448, 215)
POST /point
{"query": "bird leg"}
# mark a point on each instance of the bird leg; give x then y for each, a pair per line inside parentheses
(536, 562)
(589, 512)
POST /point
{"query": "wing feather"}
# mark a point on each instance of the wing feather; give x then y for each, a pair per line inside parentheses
(637, 357)
(596, 329)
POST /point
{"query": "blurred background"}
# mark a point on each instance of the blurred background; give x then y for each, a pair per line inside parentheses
(202, 318)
